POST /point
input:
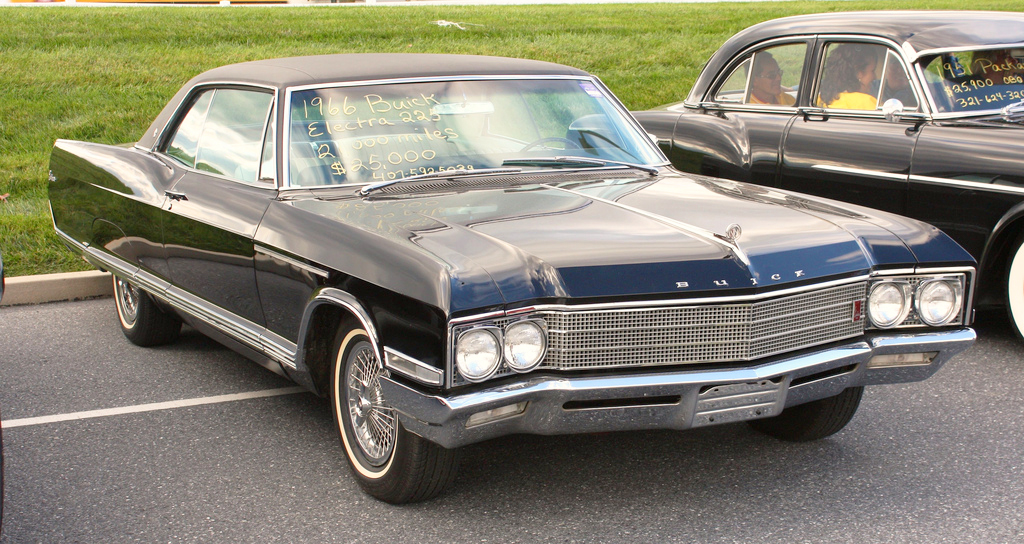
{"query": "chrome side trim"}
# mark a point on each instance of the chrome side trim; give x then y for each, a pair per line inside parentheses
(705, 235)
(411, 368)
(238, 328)
(967, 184)
(294, 262)
(337, 297)
(860, 172)
(279, 348)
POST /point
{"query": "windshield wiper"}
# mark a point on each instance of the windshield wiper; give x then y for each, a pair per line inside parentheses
(444, 174)
(1013, 113)
(578, 161)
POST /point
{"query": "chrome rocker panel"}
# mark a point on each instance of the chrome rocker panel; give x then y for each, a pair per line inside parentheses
(668, 400)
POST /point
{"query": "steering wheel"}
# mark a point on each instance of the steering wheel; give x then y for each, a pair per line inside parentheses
(569, 144)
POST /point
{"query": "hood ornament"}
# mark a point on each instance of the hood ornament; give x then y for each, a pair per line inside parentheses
(732, 233)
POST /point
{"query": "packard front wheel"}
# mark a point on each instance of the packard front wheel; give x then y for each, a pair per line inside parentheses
(1015, 289)
(389, 462)
(814, 420)
(142, 322)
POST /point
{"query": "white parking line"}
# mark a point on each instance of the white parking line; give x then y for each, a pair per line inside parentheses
(24, 422)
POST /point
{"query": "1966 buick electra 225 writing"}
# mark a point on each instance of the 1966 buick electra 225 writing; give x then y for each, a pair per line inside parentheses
(455, 248)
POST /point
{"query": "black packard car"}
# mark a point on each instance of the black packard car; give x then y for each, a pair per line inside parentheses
(917, 113)
(454, 248)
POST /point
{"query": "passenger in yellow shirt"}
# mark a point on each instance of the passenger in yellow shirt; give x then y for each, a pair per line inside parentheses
(848, 78)
(766, 85)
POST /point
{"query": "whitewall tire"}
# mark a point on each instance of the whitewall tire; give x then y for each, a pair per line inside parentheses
(389, 462)
(1015, 289)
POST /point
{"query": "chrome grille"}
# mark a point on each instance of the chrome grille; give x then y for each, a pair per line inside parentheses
(700, 334)
(705, 333)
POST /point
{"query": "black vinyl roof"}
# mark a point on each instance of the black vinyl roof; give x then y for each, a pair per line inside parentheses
(296, 71)
(347, 68)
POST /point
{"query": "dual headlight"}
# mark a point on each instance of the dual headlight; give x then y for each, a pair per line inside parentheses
(480, 352)
(936, 301)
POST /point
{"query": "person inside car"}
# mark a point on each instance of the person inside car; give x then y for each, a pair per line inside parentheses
(766, 84)
(849, 76)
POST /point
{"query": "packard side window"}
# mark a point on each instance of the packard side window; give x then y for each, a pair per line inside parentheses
(895, 83)
(849, 78)
(769, 76)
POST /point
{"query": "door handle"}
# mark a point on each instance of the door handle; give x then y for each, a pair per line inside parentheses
(175, 195)
(814, 114)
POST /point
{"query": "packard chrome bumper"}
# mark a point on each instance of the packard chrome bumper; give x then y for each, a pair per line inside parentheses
(676, 399)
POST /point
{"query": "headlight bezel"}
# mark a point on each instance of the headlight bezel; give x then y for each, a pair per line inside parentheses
(497, 326)
(958, 278)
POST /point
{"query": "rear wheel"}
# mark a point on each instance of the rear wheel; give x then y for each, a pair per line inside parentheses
(389, 462)
(142, 322)
(814, 420)
(1015, 289)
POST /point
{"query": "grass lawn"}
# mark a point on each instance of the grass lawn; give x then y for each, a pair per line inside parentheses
(102, 74)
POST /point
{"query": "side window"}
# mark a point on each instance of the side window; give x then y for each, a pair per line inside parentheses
(896, 83)
(232, 141)
(185, 143)
(768, 76)
(226, 132)
(268, 166)
(734, 90)
(855, 75)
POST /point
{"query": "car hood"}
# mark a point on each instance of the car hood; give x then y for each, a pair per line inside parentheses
(631, 236)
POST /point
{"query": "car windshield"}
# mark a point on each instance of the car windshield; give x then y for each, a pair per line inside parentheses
(975, 81)
(385, 132)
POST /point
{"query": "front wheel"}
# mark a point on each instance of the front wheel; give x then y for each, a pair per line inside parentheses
(1015, 289)
(389, 462)
(142, 322)
(814, 420)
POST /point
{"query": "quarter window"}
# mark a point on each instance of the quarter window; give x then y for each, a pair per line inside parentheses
(226, 133)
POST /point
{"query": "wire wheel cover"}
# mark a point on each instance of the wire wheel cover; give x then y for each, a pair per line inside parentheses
(373, 421)
(127, 301)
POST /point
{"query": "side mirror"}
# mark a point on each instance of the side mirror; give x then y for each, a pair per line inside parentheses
(892, 109)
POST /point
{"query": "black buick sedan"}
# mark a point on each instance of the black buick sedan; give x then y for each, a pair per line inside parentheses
(452, 249)
(917, 113)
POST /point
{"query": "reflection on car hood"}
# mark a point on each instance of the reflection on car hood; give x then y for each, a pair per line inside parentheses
(634, 236)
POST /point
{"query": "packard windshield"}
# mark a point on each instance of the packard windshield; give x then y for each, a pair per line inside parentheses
(976, 81)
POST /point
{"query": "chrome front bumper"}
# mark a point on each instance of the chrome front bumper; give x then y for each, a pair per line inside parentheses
(679, 399)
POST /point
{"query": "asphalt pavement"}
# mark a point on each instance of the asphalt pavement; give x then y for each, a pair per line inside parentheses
(937, 461)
